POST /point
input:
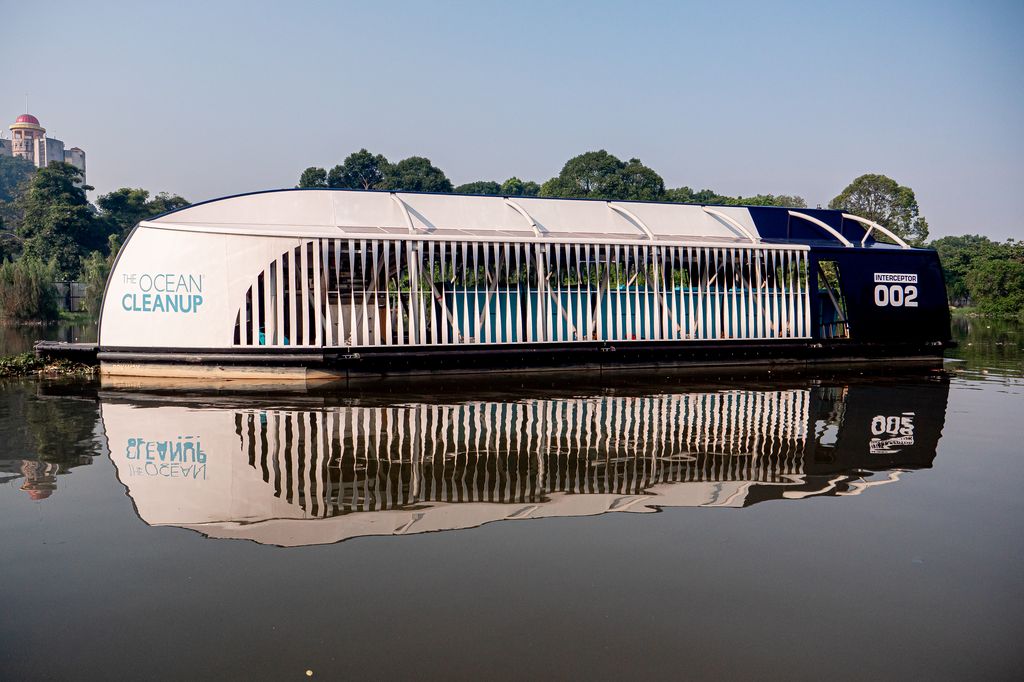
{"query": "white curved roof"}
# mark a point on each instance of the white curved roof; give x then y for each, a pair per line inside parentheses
(360, 214)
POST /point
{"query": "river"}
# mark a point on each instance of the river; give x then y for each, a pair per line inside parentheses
(795, 527)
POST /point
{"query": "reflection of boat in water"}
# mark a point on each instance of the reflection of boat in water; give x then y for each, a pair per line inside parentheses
(319, 474)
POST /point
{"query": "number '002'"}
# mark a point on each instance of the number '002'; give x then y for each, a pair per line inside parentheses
(896, 295)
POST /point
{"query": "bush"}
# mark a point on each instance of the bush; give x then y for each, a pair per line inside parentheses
(19, 365)
(27, 292)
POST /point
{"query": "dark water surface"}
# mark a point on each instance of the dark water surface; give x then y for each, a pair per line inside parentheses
(19, 338)
(844, 527)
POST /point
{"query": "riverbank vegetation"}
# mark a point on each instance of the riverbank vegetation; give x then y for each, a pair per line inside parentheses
(51, 232)
(26, 291)
(986, 274)
(27, 364)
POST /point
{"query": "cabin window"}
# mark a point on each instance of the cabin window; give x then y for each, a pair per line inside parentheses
(832, 312)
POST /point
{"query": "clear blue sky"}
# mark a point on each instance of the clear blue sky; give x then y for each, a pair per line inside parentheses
(212, 98)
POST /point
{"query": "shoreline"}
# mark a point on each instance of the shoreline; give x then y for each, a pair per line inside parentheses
(27, 364)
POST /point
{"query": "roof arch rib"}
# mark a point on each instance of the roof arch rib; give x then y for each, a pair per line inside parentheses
(633, 218)
(405, 212)
(732, 223)
(871, 225)
(537, 231)
(828, 228)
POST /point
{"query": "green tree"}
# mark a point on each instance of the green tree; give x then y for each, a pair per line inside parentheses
(416, 174)
(125, 208)
(596, 175)
(313, 177)
(26, 291)
(95, 271)
(785, 200)
(9, 244)
(959, 255)
(883, 200)
(479, 187)
(359, 170)
(640, 183)
(514, 187)
(15, 174)
(165, 202)
(59, 224)
(686, 195)
(997, 286)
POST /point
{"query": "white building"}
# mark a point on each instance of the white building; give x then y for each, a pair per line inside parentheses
(29, 141)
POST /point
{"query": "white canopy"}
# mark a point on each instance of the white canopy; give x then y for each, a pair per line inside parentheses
(361, 214)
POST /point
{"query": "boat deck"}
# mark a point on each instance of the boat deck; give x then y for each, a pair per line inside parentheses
(84, 353)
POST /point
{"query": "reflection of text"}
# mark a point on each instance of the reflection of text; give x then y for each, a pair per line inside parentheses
(182, 457)
(898, 432)
(168, 470)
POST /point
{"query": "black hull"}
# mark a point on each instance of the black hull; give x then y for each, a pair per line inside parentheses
(410, 360)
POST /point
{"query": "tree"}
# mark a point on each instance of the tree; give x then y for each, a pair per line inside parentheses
(59, 224)
(479, 187)
(416, 174)
(95, 270)
(125, 208)
(589, 175)
(786, 200)
(686, 195)
(514, 187)
(883, 200)
(997, 286)
(600, 175)
(15, 173)
(958, 256)
(27, 292)
(641, 183)
(359, 170)
(165, 202)
(313, 177)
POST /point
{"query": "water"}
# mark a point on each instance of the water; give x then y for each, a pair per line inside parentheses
(844, 526)
(19, 338)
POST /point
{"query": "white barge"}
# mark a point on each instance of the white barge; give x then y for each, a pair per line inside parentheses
(296, 284)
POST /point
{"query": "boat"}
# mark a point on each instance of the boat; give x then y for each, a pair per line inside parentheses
(318, 468)
(308, 284)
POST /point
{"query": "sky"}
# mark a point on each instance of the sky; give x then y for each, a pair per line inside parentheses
(206, 99)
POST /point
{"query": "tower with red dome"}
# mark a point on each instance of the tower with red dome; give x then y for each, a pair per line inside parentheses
(29, 141)
(25, 134)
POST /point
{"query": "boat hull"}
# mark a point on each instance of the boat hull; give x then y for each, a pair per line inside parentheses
(330, 363)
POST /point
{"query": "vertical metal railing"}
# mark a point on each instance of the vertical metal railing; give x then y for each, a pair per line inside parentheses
(366, 458)
(404, 292)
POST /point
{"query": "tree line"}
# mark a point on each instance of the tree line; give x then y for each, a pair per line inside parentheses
(591, 175)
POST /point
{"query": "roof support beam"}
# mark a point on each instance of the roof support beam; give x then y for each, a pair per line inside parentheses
(811, 219)
(632, 217)
(522, 211)
(871, 225)
(721, 216)
(405, 211)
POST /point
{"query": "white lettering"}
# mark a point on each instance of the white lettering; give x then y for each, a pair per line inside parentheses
(895, 295)
(895, 278)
